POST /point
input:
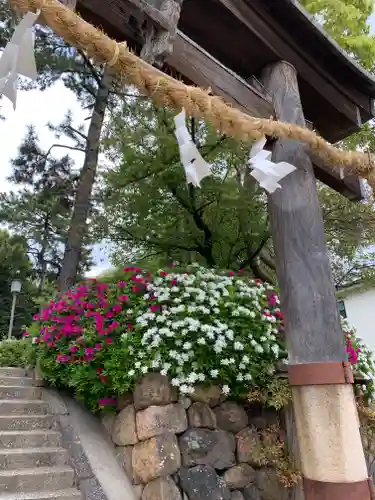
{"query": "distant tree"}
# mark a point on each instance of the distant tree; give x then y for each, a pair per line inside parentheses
(41, 209)
(15, 263)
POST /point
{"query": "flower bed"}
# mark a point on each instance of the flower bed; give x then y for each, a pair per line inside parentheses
(197, 326)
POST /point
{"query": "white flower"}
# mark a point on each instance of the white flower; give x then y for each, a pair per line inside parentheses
(247, 376)
(245, 359)
(131, 373)
(238, 346)
(163, 372)
(239, 377)
(187, 346)
(225, 362)
(192, 377)
(214, 373)
(144, 369)
(175, 382)
(184, 389)
(201, 341)
(201, 377)
(225, 389)
(258, 348)
(137, 364)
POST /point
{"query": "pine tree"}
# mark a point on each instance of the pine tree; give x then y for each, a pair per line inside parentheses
(40, 209)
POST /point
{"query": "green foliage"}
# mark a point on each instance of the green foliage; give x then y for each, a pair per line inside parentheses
(14, 263)
(16, 353)
(347, 22)
(149, 213)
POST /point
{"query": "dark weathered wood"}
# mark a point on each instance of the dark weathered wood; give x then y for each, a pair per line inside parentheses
(268, 32)
(158, 41)
(312, 323)
(199, 67)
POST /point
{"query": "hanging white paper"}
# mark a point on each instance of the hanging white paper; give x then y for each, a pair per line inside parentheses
(18, 57)
(196, 168)
(266, 172)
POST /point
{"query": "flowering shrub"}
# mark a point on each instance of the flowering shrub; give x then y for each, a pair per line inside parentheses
(361, 357)
(196, 326)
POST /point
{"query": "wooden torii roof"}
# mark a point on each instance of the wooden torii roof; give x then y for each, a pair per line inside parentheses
(224, 44)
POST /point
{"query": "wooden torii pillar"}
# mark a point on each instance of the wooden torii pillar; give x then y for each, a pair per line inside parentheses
(330, 448)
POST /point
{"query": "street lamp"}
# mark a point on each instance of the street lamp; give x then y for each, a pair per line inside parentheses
(15, 289)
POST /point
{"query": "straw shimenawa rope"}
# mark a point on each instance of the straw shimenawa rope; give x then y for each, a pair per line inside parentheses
(167, 91)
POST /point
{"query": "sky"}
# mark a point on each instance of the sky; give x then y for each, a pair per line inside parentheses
(39, 108)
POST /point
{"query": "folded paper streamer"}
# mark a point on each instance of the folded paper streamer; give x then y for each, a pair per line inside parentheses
(196, 168)
(18, 57)
(266, 172)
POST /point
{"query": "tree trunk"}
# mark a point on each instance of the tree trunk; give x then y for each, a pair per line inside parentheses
(42, 254)
(77, 229)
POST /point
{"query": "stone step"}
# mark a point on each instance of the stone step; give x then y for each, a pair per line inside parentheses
(29, 439)
(25, 423)
(20, 392)
(16, 381)
(12, 372)
(38, 479)
(24, 458)
(23, 407)
(70, 494)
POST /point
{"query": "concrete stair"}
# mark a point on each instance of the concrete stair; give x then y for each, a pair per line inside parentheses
(33, 464)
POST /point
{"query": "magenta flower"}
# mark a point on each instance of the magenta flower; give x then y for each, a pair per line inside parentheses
(74, 348)
(123, 298)
(107, 402)
(89, 351)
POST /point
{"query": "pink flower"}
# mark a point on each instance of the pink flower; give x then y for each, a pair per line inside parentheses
(108, 340)
(61, 358)
(74, 348)
(230, 273)
(98, 347)
(107, 402)
(117, 308)
(123, 298)
(89, 351)
(121, 284)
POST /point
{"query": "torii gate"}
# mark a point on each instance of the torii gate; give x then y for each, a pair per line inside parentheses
(300, 73)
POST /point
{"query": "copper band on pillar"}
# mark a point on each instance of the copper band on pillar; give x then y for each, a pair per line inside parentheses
(320, 373)
(319, 490)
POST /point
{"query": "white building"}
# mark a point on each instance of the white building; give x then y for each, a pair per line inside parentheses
(358, 307)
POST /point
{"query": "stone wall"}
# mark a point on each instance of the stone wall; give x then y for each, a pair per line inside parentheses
(201, 447)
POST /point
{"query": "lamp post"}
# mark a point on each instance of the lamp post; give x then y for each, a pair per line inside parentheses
(15, 289)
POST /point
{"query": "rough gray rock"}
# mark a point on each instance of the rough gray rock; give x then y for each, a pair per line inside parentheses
(124, 433)
(231, 417)
(124, 457)
(153, 389)
(239, 476)
(161, 489)
(251, 492)
(203, 446)
(156, 420)
(236, 495)
(249, 447)
(211, 395)
(269, 485)
(201, 415)
(156, 457)
(202, 483)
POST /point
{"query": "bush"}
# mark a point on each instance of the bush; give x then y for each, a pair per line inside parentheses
(196, 326)
(16, 353)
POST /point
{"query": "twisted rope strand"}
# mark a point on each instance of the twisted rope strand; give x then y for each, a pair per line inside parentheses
(166, 91)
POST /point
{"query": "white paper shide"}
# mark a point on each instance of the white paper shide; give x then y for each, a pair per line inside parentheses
(18, 57)
(266, 172)
(196, 168)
